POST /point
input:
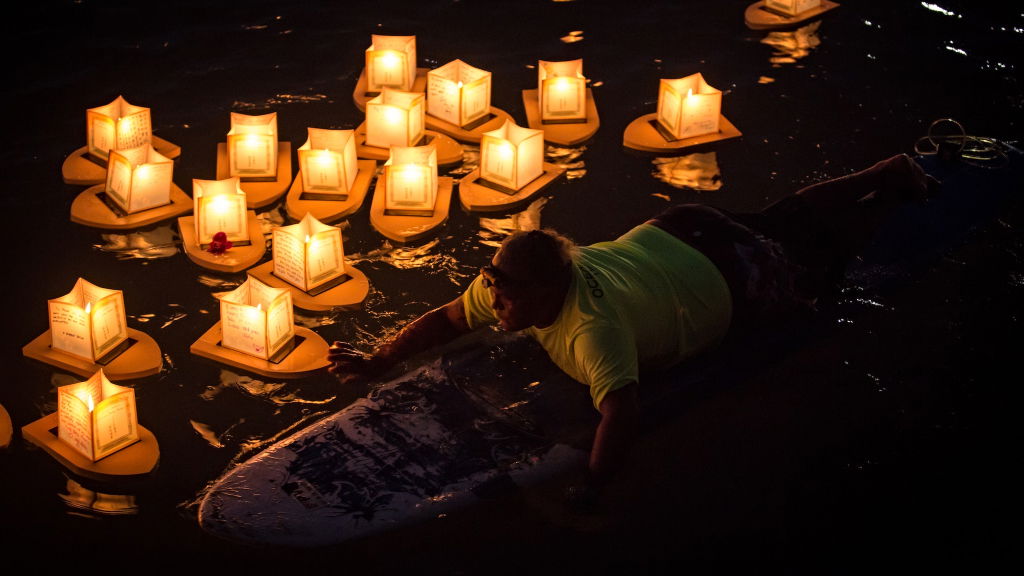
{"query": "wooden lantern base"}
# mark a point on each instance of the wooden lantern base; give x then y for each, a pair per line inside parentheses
(81, 170)
(259, 193)
(309, 357)
(143, 358)
(324, 207)
(569, 134)
(135, 460)
(6, 428)
(642, 135)
(404, 229)
(360, 96)
(757, 17)
(350, 294)
(477, 197)
(495, 120)
(236, 259)
(448, 151)
(90, 209)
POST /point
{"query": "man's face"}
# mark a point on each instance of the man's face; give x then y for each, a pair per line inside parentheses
(515, 297)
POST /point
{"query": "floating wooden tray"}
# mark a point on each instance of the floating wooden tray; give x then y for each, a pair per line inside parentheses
(6, 428)
(642, 135)
(360, 96)
(404, 229)
(497, 120)
(448, 151)
(89, 209)
(78, 169)
(135, 460)
(309, 357)
(331, 210)
(143, 358)
(259, 194)
(477, 197)
(236, 259)
(349, 294)
(758, 18)
(568, 134)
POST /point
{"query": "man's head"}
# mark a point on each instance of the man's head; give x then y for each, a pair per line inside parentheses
(528, 278)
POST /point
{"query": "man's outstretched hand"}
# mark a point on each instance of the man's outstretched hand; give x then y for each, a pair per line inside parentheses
(349, 364)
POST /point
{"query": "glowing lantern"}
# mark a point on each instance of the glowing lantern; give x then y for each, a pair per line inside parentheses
(390, 63)
(511, 156)
(139, 178)
(458, 93)
(252, 146)
(309, 254)
(688, 106)
(256, 319)
(410, 177)
(117, 125)
(219, 206)
(328, 161)
(96, 417)
(88, 322)
(791, 7)
(395, 118)
(562, 91)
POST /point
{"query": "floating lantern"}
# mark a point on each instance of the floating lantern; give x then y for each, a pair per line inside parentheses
(410, 177)
(96, 417)
(791, 7)
(219, 206)
(511, 156)
(88, 322)
(328, 161)
(391, 63)
(395, 118)
(252, 146)
(458, 93)
(308, 255)
(117, 126)
(688, 107)
(139, 178)
(256, 319)
(562, 91)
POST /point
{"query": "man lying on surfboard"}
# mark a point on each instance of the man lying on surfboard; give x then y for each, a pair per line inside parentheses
(667, 290)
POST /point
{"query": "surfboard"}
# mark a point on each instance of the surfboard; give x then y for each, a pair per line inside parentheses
(495, 414)
(430, 441)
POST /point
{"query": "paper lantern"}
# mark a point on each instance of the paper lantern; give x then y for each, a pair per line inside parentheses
(139, 178)
(117, 125)
(256, 319)
(562, 91)
(309, 254)
(390, 63)
(219, 206)
(96, 417)
(252, 146)
(395, 118)
(458, 93)
(328, 161)
(688, 107)
(410, 176)
(791, 7)
(88, 322)
(511, 156)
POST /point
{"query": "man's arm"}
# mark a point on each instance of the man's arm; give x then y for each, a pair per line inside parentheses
(615, 433)
(434, 328)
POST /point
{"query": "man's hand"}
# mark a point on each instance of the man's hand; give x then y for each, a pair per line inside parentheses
(349, 364)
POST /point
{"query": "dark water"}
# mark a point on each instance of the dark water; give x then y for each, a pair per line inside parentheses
(881, 443)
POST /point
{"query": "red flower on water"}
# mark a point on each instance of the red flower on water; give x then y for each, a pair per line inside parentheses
(220, 244)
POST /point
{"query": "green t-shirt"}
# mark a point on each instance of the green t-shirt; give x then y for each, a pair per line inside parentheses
(644, 301)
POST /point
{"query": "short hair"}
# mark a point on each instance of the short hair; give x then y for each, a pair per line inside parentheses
(542, 253)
